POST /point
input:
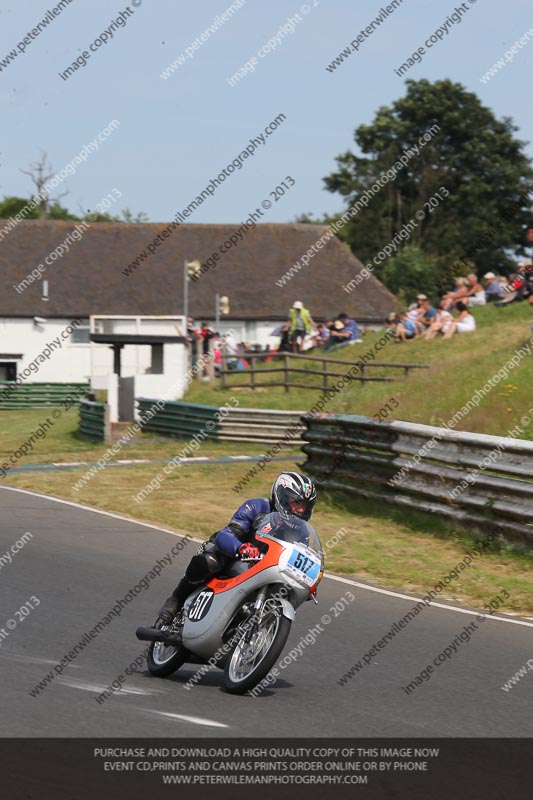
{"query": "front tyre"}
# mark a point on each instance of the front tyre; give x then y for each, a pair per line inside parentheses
(252, 658)
(163, 660)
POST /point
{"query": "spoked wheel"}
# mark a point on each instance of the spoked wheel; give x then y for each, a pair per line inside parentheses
(163, 659)
(255, 653)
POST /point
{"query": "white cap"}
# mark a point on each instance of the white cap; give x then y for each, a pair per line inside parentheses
(488, 275)
(298, 304)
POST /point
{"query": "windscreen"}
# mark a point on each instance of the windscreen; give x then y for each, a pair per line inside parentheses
(290, 529)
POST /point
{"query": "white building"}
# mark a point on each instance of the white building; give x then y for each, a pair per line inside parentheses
(56, 277)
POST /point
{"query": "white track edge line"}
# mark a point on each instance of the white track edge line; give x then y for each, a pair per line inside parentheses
(390, 592)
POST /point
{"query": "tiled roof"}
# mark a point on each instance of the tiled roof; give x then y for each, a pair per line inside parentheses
(88, 279)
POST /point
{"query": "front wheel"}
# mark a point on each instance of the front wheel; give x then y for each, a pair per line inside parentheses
(253, 656)
(163, 660)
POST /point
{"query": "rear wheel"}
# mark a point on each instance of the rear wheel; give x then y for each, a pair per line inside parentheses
(163, 660)
(254, 655)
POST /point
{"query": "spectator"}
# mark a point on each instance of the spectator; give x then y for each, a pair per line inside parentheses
(392, 321)
(284, 343)
(300, 321)
(493, 289)
(321, 335)
(207, 334)
(231, 348)
(528, 278)
(412, 313)
(344, 333)
(475, 295)
(465, 322)
(217, 355)
(459, 291)
(516, 286)
(440, 324)
(426, 313)
(406, 328)
(193, 337)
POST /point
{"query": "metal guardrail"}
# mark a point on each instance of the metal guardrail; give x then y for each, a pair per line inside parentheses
(36, 395)
(94, 421)
(184, 420)
(360, 456)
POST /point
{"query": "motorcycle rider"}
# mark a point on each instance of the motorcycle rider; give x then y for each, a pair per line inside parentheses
(292, 493)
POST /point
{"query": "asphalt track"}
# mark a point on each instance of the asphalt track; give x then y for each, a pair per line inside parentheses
(80, 561)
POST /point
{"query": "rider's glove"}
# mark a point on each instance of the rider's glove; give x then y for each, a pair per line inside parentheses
(247, 551)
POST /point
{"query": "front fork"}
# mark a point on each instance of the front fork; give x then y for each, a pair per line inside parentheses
(257, 614)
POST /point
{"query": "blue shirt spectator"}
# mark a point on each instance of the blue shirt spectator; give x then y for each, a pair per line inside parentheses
(493, 289)
(349, 332)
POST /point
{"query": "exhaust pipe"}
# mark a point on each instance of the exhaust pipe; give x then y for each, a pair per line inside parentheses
(156, 635)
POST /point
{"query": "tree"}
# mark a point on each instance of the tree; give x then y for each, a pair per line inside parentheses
(38, 174)
(473, 155)
(10, 206)
(129, 217)
(410, 272)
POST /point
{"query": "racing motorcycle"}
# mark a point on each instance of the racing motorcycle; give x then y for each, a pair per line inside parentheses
(240, 620)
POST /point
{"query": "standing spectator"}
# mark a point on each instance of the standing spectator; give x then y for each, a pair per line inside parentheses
(465, 322)
(300, 321)
(284, 343)
(346, 332)
(207, 334)
(493, 289)
(193, 337)
(475, 295)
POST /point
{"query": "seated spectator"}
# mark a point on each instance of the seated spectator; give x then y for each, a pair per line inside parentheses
(345, 333)
(426, 314)
(464, 323)
(526, 270)
(459, 291)
(493, 289)
(516, 287)
(406, 328)
(440, 324)
(475, 295)
(321, 335)
(392, 321)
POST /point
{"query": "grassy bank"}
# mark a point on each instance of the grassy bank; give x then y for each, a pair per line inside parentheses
(458, 368)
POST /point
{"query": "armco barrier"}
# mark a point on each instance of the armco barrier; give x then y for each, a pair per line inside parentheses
(36, 395)
(94, 421)
(183, 420)
(358, 455)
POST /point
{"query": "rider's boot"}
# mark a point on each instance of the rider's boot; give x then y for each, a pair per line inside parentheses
(176, 601)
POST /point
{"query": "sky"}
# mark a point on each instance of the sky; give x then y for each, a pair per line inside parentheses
(176, 134)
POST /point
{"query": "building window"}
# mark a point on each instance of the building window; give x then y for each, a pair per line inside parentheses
(80, 335)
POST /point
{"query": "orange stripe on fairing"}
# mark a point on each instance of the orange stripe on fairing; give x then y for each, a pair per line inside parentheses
(270, 560)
